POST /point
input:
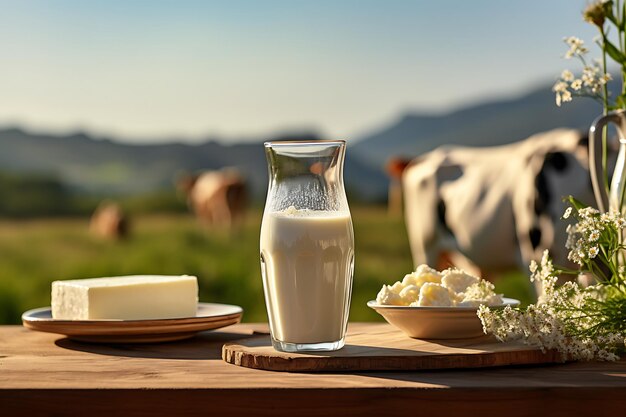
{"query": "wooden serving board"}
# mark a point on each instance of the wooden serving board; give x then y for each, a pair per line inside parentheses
(381, 347)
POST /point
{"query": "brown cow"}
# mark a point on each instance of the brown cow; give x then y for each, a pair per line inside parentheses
(109, 221)
(394, 169)
(217, 198)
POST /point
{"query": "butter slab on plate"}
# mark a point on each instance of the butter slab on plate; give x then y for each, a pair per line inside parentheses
(131, 297)
(209, 316)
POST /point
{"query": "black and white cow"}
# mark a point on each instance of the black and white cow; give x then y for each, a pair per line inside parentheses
(494, 209)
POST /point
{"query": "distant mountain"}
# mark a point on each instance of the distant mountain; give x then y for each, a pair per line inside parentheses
(110, 167)
(107, 166)
(487, 124)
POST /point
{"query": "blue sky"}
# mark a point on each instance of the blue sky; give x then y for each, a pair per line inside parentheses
(149, 70)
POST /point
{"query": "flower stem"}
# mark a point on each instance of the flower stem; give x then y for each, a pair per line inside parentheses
(605, 89)
(622, 40)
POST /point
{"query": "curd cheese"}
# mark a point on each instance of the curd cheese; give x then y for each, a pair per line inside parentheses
(434, 295)
(429, 287)
(457, 280)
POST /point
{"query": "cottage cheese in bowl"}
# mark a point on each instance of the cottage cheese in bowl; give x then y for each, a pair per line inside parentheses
(431, 304)
(427, 287)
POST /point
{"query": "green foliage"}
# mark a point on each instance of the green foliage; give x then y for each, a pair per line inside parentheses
(515, 284)
(32, 195)
(38, 195)
(614, 52)
(164, 201)
(33, 253)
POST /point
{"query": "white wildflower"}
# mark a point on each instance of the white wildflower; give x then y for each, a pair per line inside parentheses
(566, 96)
(559, 87)
(576, 47)
(592, 80)
(568, 212)
(589, 76)
(575, 244)
(567, 76)
(587, 212)
(576, 85)
(562, 93)
(544, 324)
(605, 78)
(574, 320)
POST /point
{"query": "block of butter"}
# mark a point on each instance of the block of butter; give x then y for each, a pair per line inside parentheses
(133, 297)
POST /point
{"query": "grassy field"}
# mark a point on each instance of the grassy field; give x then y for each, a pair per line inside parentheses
(33, 253)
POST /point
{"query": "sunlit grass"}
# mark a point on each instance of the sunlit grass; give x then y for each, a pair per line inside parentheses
(33, 253)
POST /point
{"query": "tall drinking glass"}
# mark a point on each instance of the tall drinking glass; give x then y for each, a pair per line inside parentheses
(307, 246)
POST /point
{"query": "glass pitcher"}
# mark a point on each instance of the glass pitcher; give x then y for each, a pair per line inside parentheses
(614, 199)
(307, 246)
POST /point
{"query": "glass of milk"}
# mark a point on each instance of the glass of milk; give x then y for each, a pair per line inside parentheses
(307, 246)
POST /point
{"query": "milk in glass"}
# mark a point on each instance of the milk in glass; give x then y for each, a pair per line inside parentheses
(308, 263)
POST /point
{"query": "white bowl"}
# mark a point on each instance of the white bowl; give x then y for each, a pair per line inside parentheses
(436, 322)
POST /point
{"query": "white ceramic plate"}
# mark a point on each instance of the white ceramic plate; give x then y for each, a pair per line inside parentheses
(209, 317)
(435, 322)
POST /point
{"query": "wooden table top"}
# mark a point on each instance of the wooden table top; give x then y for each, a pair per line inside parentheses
(47, 374)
